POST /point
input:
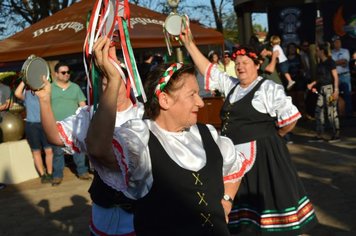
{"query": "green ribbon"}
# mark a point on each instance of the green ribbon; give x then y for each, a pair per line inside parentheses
(95, 76)
(132, 58)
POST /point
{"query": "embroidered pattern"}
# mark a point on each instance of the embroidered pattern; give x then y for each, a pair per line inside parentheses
(197, 180)
(271, 220)
(206, 219)
(202, 202)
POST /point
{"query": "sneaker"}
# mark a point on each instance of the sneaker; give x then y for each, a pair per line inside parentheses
(56, 181)
(316, 140)
(84, 176)
(334, 139)
(290, 84)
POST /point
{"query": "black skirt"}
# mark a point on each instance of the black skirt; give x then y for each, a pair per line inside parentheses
(271, 199)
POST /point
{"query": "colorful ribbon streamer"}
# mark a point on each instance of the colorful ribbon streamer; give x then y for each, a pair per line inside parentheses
(108, 18)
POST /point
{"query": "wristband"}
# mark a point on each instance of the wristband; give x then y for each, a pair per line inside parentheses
(228, 198)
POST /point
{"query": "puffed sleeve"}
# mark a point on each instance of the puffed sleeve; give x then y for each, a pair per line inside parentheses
(234, 163)
(73, 130)
(215, 79)
(272, 99)
(130, 145)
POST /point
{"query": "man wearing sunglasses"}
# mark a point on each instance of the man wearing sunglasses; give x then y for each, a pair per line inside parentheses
(227, 64)
(66, 98)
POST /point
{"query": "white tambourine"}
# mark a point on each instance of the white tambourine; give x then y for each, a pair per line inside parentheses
(33, 69)
(173, 24)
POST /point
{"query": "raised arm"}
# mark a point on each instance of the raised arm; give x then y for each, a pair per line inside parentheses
(199, 59)
(101, 129)
(19, 91)
(47, 118)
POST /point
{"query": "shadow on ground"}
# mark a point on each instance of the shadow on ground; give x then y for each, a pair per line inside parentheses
(31, 208)
(328, 171)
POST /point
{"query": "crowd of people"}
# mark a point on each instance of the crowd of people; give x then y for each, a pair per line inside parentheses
(237, 180)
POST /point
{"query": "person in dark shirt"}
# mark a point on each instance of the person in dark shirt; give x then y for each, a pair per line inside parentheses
(326, 86)
(145, 66)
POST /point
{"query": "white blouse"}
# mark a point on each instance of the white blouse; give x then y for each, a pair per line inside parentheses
(270, 98)
(130, 145)
(73, 130)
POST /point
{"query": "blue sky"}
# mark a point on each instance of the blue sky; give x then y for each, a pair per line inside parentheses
(260, 18)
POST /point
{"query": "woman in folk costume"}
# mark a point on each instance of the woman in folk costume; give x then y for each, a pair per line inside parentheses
(256, 115)
(182, 175)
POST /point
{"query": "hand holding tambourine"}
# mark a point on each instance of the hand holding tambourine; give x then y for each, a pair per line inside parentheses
(33, 70)
(44, 94)
(174, 26)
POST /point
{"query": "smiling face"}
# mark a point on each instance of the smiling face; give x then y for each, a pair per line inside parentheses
(181, 105)
(246, 69)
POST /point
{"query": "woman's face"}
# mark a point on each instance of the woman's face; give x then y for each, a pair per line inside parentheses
(246, 69)
(215, 58)
(185, 103)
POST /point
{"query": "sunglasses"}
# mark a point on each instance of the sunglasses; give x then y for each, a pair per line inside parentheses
(65, 72)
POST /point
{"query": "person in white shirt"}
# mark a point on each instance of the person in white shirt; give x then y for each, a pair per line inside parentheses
(341, 56)
(282, 60)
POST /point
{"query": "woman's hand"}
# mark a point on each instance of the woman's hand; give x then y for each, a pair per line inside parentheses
(186, 36)
(105, 57)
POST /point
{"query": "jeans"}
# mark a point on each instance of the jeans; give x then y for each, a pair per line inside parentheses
(345, 92)
(58, 162)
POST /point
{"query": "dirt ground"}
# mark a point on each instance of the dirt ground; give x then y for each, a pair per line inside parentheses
(328, 172)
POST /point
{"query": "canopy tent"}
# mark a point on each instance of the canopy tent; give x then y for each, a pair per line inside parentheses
(63, 33)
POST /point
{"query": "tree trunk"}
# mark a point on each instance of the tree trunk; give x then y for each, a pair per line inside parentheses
(217, 17)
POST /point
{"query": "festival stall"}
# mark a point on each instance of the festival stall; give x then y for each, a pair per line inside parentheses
(64, 33)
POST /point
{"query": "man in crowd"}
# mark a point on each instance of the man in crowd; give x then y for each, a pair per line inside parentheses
(228, 65)
(66, 98)
(341, 56)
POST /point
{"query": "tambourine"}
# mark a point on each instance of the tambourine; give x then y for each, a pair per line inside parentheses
(173, 24)
(33, 69)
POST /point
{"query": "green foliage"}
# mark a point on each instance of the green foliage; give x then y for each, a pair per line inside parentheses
(258, 28)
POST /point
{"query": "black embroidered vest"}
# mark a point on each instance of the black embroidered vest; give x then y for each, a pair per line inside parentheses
(183, 202)
(242, 123)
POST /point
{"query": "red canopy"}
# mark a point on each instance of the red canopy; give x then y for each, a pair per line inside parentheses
(64, 33)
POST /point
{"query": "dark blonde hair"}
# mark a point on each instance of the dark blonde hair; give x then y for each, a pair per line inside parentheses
(152, 107)
(275, 40)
